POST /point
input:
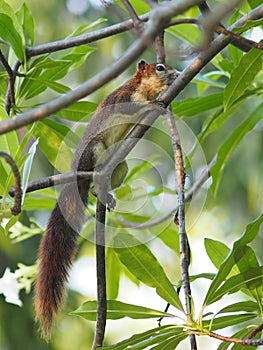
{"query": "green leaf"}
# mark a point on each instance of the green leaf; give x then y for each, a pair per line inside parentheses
(227, 321)
(246, 259)
(242, 76)
(78, 55)
(78, 111)
(248, 306)
(248, 236)
(193, 106)
(216, 250)
(154, 336)
(84, 28)
(25, 17)
(214, 121)
(231, 144)
(251, 277)
(113, 274)
(9, 141)
(53, 85)
(9, 33)
(117, 309)
(36, 87)
(27, 168)
(9, 144)
(141, 168)
(52, 143)
(185, 32)
(140, 261)
(41, 202)
(249, 24)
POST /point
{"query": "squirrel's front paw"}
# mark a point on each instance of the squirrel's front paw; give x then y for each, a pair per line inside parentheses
(111, 202)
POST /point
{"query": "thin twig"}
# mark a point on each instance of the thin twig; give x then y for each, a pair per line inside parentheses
(245, 342)
(137, 22)
(59, 179)
(255, 331)
(159, 48)
(10, 98)
(16, 209)
(180, 218)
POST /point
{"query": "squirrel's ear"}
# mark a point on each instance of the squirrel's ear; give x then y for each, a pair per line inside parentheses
(141, 64)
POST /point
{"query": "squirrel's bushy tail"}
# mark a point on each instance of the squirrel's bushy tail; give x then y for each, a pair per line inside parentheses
(56, 253)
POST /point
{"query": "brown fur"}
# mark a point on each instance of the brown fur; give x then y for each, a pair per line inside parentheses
(59, 244)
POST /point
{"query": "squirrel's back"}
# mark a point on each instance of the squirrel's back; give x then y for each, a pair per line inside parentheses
(59, 243)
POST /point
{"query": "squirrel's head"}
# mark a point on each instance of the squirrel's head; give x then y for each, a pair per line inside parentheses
(151, 79)
(166, 74)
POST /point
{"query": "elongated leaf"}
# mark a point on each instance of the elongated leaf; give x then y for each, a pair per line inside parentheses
(152, 337)
(216, 250)
(228, 321)
(242, 76)
(214, 121)
(249, 234)
(247, 259)
(26, 19)
(190, 34)
(193, 106)
(78, 55)
(142, 263)
(249, 24)
(9, 141)
(9, 33)
(248, 306)
(84, 28)
(230, 145)
(113, 274)
(52, 144)
(27, 168)
(41, 202)
(9, 144)
(78, 111)
(252, 276)
(53, 74)
(117, 309)
(53, 85)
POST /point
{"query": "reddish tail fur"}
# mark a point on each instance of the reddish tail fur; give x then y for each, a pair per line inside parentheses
(56, 253)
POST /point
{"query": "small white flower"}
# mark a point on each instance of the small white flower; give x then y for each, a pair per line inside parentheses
(9, 287)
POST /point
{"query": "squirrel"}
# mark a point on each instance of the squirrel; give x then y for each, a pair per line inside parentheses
(106, 127)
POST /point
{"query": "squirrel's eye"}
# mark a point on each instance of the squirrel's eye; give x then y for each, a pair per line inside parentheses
(160, 67)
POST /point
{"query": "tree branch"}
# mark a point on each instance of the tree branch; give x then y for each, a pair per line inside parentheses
(10, 95)
(16, 209)
(180, 218)
(137, 22)
(59, 179)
